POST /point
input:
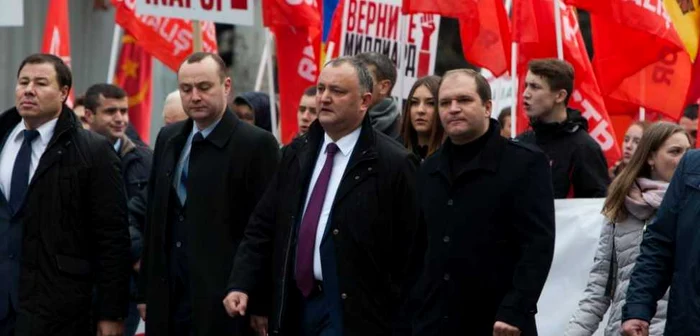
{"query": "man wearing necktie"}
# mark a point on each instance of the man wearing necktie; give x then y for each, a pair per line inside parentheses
(334, 244)
(208, 173)
(63, 220)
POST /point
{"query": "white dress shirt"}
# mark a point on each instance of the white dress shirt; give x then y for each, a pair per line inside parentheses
(11, 149)
(345, 145)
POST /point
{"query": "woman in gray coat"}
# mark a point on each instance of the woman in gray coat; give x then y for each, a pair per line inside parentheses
(632, 201)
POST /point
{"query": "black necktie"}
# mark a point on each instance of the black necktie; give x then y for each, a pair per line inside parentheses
(20, 173)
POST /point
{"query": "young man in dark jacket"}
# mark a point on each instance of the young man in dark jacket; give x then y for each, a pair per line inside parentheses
(107, 113)
(579, 169)
(384, 109)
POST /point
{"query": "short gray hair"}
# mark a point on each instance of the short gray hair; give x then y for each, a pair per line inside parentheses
(363, 74)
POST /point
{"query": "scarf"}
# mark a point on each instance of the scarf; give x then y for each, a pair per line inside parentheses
(645, 197)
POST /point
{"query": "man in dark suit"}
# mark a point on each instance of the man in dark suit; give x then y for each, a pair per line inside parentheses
(337, 227)
(208, 173)
(488, 206)
(63, 220)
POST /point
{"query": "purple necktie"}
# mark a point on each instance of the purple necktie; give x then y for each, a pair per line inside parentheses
(309, 224)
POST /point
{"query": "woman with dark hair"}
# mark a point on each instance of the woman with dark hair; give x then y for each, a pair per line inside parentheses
(633, 199)
(421, 130)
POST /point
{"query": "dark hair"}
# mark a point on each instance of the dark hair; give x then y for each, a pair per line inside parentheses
(310, 91)
(385, 69)
(63, 74)
(483, 89)
(691, 111)
(437, 133)
(558, 74)
(505, 113)
(201, 55)
(79, 101)
(93, 93)
(363, 75)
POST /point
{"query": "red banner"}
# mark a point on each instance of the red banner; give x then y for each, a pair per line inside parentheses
(57, 35)
(659, 63)
(297, 30)
(483, 25)
(134, 75)
(167, 39)
(533, 24)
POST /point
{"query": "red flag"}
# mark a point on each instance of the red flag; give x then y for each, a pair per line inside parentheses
(167, 39)
(483, 25)
(297, 30)
(133, 74)
(533, 28)
(333, 43)
(659, 63)
(57, 35)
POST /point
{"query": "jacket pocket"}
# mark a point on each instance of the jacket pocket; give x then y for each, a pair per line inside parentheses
(72, 265)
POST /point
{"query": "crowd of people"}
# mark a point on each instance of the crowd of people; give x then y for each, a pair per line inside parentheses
(372, 221)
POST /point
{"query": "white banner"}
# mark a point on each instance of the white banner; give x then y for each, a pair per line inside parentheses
(12, 13)
(410, 41)
(236, 12)
(578, 228)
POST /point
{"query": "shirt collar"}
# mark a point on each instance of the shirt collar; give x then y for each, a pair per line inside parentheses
(345, 144)
(205, 132)
(45, 131)
(118, 145)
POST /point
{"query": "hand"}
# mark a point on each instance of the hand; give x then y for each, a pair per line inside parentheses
(142, 310)
(137, 266)
(505, 329)
(259, 324)
(110, 328)
(236, 303)
(635, 328)
(427, 23)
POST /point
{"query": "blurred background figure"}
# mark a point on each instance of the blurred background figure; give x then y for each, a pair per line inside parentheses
(308, 110)
(79, 110)
(422, 132)
(253, 108)
(629, 145)
(504, 121)
(689, 122)
(172, 109)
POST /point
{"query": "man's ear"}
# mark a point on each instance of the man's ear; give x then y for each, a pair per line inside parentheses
(385, 87)
(561, 96)
(366, 101)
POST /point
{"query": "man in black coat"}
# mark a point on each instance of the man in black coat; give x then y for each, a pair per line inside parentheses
(488, 207)
(330, 247)
(579, 168)
(208, 174)
(63, 220)
(107, 114)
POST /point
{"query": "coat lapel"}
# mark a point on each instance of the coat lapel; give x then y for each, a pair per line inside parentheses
(67, 122)
(364, 151)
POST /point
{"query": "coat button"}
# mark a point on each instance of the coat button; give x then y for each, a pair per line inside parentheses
(446, 277)
(343, 296)
(369, 169)
(181, 218)
(446, 239)
(178, 244)
(336, 232)
(450, 202)
(357, 177)
(12, 256)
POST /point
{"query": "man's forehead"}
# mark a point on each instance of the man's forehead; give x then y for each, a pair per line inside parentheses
(198, 72)
(458, 84)
(333, 74)
(38, 70)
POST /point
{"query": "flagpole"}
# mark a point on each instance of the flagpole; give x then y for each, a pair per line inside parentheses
(196, 36)
(273, 99)
(557, 26)
(642, 113)
(114, 53)
(514, 83)
(263, 60)
(399, 63)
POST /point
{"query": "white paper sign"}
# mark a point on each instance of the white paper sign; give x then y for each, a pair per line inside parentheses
(236, 12)
(12, 13)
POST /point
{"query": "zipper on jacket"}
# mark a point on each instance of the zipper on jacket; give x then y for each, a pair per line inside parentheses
(284, 275)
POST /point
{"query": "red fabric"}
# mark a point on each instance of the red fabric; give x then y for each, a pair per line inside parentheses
(167, 39)
(57, 35)
(659, 63)
(483, 26)
(297, 30)
(533, 23)
(134, 75)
